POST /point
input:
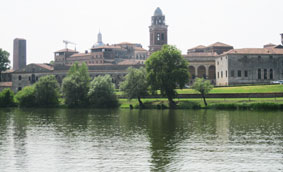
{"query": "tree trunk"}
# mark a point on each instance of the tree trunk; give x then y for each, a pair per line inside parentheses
(172, 104)
(140, 102)
(204, 100)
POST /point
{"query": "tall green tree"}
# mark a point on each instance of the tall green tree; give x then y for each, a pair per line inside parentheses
(203, 87)
(135, 84)
(75, 86)
(167, 70)
(47, 91)
(4, 61)
(102, 93)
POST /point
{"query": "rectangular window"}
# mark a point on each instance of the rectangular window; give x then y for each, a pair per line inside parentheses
(259, 73)
(239, 73)
(246, 73)
(271, 74)
(232, 73)
(217, 74)
(221, 74)
(265, 74)
(226, 74)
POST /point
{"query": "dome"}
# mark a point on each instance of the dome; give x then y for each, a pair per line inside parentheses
(158, 12)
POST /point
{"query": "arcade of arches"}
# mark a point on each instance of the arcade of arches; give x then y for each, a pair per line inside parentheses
(203, 71)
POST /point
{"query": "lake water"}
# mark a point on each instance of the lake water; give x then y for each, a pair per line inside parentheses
(57, 140)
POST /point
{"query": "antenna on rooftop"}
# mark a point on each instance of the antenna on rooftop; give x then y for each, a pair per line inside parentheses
(68, 42)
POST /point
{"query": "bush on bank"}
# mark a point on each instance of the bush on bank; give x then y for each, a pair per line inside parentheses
(7, 98)
(102, 93)
(26, 97)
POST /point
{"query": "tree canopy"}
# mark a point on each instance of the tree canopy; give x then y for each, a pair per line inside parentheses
(167, 70)
(135, 84)
(7, 98)
(4, 61)
(47, 91)
(75, 86)
(203, 87)
(102, 93)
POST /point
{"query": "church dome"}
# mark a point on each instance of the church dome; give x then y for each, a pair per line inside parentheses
(158, 12)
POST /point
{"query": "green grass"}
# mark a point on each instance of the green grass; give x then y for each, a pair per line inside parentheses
(236, 89)
(239, 89)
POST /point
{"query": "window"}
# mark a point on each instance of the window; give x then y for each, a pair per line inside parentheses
(259, 57)
(158, 37)
(259, 73)
(226, 74)
(162, 36)
(246, 73)
(271, 74)
(20, 88)
(217, 74)
(265, 74)
(221, 74)
(239, 73)
(270, 57)
(232, 73)
(20, 77)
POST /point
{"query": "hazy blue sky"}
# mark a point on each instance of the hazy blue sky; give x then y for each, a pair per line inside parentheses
(44, 24)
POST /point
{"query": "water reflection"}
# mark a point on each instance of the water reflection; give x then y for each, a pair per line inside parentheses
(135, 140)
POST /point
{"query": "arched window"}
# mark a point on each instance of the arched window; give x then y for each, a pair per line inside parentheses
(201, 72)
(211, 72)
(20, 77)
(192, 72)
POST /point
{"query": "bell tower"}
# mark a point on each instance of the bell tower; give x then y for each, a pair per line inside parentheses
(157, 31)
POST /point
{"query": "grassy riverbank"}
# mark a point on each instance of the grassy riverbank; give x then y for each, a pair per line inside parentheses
(237, 103)
(236, 89)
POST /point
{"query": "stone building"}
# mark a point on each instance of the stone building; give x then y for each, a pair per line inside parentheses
(19, 54)
(249, 66)
(202, 60)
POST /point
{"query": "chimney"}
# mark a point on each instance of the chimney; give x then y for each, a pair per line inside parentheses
(282, 38)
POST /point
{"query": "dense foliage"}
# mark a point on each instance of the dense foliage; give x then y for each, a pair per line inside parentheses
(4, 61)
(135, 85)
(26, 97)
(101, 93)
(47, 91)
(203, 87)
(75, 86)
(167, 70)
(7, 98)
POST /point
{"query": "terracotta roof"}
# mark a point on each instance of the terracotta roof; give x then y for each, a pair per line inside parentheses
(66, 50)
(123, 43)
(219, 44)
(198, 47)
(207, 54)
(45, 66)
(80, 55)
(5, 84)
(140, 49)
(107, 46)
(130, 62)
(9, 71)
(255, 51)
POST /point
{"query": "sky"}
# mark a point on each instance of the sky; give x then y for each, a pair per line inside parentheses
(46, 23)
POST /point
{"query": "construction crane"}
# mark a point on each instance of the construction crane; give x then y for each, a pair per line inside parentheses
(68, 42)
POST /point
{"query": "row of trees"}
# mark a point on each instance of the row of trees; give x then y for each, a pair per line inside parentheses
(164, 71)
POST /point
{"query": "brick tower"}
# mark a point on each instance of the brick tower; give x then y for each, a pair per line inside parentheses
(19, 54)
(157, 31)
